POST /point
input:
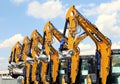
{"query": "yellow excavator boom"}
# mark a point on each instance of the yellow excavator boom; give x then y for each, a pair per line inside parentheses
(15, 53)
(36, 39)
(103, 45)
(25, 54)
(58, 35)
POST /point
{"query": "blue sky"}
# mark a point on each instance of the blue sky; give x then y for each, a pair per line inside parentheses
(18, 18)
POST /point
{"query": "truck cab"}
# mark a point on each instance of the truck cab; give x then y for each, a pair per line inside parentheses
(88, 66)
(115, 66)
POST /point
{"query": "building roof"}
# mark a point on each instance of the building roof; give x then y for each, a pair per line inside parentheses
(4, 72)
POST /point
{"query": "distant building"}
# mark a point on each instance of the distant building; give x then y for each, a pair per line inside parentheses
(4, 73)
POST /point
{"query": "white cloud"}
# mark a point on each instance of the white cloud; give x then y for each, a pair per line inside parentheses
(78, 6)
(3, 63)
(108, 24)
(85, 46)
(111, 7)
(4, 66)
(2, 58)
(18, 1)
(5, 44)
(61, 30)
(46, 10)
(86, 49)
(11, 41)
(104, 8)
(91, 5)
(107, 17)
(116, 45)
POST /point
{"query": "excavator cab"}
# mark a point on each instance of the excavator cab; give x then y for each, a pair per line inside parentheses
(115, 66)
(89, 66)
(87, 70)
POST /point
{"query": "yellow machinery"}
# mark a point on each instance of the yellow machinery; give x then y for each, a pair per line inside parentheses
(73, 42)
(89, 64)
(25, 54)
(19, 54)
(50, 51)
(35, 51)
(37, 38)
(68, 49)
(15, 53)
(89, 81)
(38, 57)
(14, 59)
(103, 45)
(26, 48)
(29, 54)
(50, 31)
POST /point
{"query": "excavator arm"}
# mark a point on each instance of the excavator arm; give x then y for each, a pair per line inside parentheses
(52, 52)
(15, 53)
(14, 59)
(25, 55)
(59, 36)
(103, 45)
(26, 49)
(18, 52)
(79, 39)
(38, 57)
(37, 52)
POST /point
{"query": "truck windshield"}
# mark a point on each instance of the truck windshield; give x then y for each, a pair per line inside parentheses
(116, 69)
